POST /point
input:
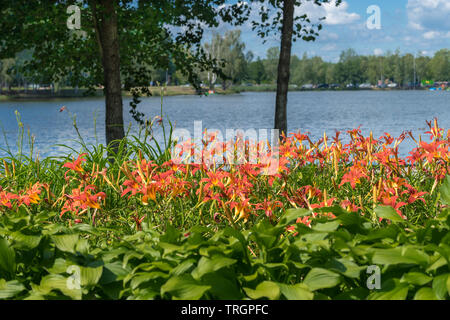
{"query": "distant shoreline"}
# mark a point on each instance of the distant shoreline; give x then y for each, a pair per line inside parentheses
(177, 91)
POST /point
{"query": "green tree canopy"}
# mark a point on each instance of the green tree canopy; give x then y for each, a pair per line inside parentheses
(230, 51)
(119, 44)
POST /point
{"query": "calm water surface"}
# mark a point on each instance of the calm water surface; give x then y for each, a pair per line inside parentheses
(315, 112)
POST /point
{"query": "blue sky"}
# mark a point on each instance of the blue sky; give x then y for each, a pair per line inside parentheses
(414, 26)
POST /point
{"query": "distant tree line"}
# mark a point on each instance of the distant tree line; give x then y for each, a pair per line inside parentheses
(240, 67)
(352, 68)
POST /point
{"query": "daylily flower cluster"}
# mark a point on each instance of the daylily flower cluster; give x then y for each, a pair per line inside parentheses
(84, 196)
(27, 197)
(149, 182)
(361, 174)
(357, 175)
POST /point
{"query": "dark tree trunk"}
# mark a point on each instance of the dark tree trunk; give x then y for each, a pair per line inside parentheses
(105, 17)
(284, 67)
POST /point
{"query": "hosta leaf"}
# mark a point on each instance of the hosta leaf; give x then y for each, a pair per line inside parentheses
(185, 266)
(184, 287)
(353, 294)
(7, 258)
(391, 290)
(437, 264)
(445, 191)
(346, 267)
(60, 266)
(113, 289)
(171, 236)
(313, 238)
(169, 247)
(416, 278)
(296, 292)
(23, 241)
(236, 234)
(292, 215)
(252, 277)
(130, 255)
(400, 255)
(440, 286)
(10, 289)
(389, 213)
(319, 278)
(298, 265)
(350, 219)
(274, 266)
(448, 285)
(66, 242)
(112, 272)
(266, 289)
(86, 228)
(53, 282)
(145, 294)
(90, 276)
(207, 265)
(425, 294)
(140, 278)
(327, 227)
(82, 246)
(388, 232)
(222, 287)
(163, 266)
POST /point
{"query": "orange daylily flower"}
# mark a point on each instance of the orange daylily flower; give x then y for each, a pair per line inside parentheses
(76, 164)
(354, 176)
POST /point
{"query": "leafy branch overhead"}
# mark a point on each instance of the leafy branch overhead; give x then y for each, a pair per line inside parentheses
(147, 38)
(270, 19)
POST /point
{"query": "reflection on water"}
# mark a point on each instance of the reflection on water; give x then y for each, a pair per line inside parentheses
(314, 112)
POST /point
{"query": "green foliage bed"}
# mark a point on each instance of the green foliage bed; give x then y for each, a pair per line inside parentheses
(328, 261)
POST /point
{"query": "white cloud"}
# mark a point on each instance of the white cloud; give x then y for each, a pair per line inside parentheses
(329, 47)
(339, 15)
(378, 52)
(429, 15)
(431, 35)
(335, 15)
(408, 39)
(426, 53)
(326, 35)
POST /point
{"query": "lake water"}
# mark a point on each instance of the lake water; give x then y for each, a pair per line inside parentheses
(315, 112)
